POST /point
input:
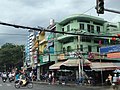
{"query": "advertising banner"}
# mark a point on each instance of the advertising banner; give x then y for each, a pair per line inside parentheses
(110, 49)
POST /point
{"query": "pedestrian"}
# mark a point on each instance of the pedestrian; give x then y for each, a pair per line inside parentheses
(46, 77)
(109, 80)
(49, 78)
(53, 78)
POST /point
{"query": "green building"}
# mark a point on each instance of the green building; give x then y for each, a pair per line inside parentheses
(91, 34)
(89, 28)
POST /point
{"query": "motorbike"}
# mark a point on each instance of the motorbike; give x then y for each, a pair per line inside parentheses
(4, 79)
(11, 79)
(23, 83)
(114, 86)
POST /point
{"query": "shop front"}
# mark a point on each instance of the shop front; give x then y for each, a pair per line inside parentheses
(101, 70)
(68, 69)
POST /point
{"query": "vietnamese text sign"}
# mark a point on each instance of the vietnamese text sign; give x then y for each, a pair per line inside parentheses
(109, 49)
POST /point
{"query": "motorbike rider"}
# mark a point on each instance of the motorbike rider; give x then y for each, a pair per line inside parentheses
(23, 81)
(4, 75)
(115, 78)
(23, 78)
(115, 82)
(11, 77)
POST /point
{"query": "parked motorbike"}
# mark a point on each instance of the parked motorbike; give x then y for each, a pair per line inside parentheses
(114, 86)
(23, 83)
(62, 80)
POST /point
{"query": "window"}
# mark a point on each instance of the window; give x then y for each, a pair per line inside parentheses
(89, 48)
(90, 28)
(97, 48)
(98, 29)
(81, 26)
(63, 30)
(77, 47)
(81, 47)
(68, 28)
(69, 49)
(64, 50)
(85, 39)
(96, 41)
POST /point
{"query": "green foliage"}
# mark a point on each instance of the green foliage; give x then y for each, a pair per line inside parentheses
(11, 55)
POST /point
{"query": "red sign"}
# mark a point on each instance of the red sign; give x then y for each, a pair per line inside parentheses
(113, 55)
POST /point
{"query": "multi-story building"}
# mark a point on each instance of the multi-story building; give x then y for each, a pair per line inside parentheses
(28, 50)
(46, 47)
(91, 34)
(30, 56)
(80, 33)
(89, 30)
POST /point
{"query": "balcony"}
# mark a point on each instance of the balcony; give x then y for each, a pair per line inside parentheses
(63, 37)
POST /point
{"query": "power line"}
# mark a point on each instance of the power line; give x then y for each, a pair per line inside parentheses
(89, 9)
(48, 30)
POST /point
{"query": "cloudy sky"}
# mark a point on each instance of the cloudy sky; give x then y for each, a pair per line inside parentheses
(38, 13)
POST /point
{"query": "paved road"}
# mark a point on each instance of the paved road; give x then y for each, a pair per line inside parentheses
(37, 86)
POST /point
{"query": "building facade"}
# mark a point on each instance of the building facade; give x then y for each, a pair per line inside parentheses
(78, 33)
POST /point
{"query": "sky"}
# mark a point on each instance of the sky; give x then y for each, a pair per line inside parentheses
(36, 13)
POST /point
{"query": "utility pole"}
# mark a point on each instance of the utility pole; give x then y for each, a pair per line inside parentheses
(38, 62)
(81, 62)
(77, 54)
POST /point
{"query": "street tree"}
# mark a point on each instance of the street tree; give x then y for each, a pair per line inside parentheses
(11, 55)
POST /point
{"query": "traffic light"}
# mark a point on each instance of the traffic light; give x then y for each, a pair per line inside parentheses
(100, 6)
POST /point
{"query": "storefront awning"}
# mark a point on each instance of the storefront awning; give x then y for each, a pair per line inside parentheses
(117, 64)
(103, 66)
(75, 62)
(56, 65)
(69, 63)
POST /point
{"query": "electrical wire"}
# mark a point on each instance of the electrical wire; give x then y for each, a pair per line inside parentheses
(48, 30)
(88, 10)
(13, 34)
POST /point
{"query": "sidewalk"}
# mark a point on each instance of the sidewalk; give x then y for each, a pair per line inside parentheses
(73, 84)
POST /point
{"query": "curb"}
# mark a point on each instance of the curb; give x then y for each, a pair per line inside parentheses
(46, 83)
(87, 86)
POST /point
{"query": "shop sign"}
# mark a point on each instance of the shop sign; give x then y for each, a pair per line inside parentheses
(45, 58)
(109, 49)
(113, 55)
